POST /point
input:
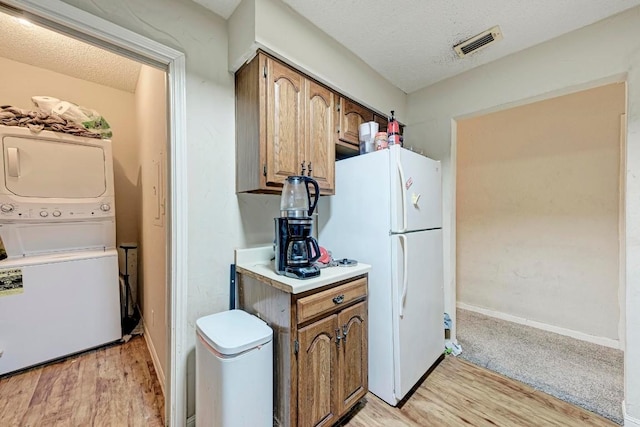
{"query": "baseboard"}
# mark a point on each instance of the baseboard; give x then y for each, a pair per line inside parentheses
(607, 342)
(629, 421)
(154, 356)
(191, 421)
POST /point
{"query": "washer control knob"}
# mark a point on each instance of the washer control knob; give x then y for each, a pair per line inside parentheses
(44, 214)
(57, 213)
(105, 207)
(6, 208)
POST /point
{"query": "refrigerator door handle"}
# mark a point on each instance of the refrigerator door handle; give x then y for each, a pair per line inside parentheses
(405, 276)
(404, 196)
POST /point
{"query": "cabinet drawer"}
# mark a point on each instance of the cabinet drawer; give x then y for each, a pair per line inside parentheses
(334, 298)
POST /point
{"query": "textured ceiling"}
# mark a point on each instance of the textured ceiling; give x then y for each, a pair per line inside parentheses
(409, 42)
(47, 49)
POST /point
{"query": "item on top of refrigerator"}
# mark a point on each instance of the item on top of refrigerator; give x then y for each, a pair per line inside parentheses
(393, 130)
(367, 132)
(381, 142)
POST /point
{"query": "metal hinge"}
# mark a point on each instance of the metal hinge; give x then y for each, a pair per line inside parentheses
(296, 346)
(264, 170)
(264, 71)
(338, 107)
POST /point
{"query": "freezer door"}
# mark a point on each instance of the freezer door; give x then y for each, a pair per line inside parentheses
(418, 306)
(416, 191)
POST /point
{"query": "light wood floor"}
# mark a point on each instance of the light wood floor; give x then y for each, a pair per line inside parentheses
(458, 393)
(117, 386)
(113, 386)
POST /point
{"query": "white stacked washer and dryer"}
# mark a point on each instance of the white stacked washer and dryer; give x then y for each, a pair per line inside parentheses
(59, 290)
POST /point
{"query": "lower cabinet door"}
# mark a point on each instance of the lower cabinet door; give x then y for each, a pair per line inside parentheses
(318, 403)
(352, 356)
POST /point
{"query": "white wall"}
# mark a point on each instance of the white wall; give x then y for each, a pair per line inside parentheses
(276, 28)
(219, 221)
(216, 218)
(603, 52)
(537, 211)
(20, 82)
(151, 108)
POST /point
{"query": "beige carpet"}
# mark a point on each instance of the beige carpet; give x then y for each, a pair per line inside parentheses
(585, 374)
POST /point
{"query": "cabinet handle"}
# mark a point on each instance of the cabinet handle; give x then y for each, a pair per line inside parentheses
(303, 168)
(339, 299)
(344, 334)
(309, 166)
(338, 337)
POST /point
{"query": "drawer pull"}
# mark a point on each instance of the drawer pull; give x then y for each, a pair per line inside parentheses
(339, 299)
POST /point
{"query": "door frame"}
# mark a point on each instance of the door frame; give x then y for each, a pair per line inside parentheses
(71, 20)
(451, 303)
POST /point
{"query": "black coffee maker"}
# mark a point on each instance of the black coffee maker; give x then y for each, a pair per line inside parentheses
(296, 249)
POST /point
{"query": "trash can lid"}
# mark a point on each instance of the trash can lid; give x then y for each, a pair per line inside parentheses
(234, 331)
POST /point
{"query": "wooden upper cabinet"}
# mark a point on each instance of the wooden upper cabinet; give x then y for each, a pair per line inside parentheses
(285, 109)
(352, 359)
(319, 136)
(284, 123)
(318, 403)
(351, 116)
(381, 121)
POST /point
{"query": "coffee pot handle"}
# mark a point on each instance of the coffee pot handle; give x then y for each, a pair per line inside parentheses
(312, 246)
(312, 207)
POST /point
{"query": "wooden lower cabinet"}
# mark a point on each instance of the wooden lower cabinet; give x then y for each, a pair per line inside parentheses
(352, 356)
(318, 400)
(320, 348)
(332, 366)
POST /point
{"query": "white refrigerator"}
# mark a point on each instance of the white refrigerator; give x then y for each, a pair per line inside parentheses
(387, 212)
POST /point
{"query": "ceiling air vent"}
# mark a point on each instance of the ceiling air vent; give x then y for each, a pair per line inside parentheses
(475, 43)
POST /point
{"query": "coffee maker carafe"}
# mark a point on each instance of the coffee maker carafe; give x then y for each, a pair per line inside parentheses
(296, 249)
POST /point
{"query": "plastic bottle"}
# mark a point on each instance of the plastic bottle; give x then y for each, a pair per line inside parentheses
(393, 130)
(381, 141)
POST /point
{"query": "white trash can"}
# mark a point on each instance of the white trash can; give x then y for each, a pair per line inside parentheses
(234, 371)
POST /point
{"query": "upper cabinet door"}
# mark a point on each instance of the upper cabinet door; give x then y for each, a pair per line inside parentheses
(352, 116)
(320, 136)
(381, 121)
(285, 108)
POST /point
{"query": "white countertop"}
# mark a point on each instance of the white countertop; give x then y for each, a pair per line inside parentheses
(257, 262)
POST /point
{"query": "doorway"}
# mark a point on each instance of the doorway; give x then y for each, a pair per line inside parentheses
(539, 220)
(69, 20)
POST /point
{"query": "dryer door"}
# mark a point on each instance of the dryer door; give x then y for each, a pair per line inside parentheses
(52, 169)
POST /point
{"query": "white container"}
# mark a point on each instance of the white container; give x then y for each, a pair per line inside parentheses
(367, 132)
(234, 371)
